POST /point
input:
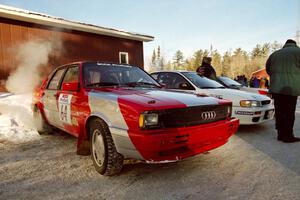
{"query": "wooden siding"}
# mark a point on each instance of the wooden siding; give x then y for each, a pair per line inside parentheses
(76, 45)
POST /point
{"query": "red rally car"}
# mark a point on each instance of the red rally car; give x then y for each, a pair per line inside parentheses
(119, 111)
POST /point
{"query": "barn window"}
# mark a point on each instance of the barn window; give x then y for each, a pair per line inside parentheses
(123, 57)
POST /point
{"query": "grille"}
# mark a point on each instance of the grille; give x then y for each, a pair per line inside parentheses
(191, 116)
(266, 102)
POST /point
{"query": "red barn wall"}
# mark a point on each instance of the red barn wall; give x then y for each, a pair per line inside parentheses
(76, 45)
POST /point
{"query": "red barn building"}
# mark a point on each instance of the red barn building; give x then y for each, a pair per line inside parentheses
(79, 41)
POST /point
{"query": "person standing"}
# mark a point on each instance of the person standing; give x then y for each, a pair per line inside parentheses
(283, 67)
(256, 82)
(206, 69)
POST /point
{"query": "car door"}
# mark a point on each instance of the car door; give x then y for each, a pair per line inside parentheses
(71, 101)
(50, 97)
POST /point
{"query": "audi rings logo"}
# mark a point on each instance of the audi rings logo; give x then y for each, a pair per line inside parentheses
(208, 115)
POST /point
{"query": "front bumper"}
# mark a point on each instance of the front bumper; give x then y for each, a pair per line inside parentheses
(248, 116)
(168, 145)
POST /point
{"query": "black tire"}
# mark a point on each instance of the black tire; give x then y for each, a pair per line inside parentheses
(107, 161)
(40, 124)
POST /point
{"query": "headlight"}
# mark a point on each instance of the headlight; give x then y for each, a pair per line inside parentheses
(148, 120)
(249, 103)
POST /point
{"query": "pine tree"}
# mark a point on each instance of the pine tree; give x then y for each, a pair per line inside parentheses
(238, 63)
(226, 68)
(256, 52)
(178, 60)
(196, 60)
(217, 61)
(153, 56)
(265, 50)
(158, 53)
(275, 46)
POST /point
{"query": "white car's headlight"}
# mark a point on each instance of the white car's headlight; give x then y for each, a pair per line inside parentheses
(147, 120)
(250, 103)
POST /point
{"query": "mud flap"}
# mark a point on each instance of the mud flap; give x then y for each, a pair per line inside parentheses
(83, 146)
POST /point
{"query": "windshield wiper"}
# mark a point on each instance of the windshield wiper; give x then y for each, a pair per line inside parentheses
(108, 84)
(208, 87)
(212, 87)
(235, 85)
(134, 84)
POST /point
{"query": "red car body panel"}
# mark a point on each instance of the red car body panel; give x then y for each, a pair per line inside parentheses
(178, 143)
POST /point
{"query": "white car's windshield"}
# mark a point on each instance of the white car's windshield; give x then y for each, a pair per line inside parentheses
(202, 82)
(107, 75)
(229, 82)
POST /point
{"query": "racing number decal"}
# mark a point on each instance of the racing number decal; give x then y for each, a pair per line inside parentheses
(64, 108)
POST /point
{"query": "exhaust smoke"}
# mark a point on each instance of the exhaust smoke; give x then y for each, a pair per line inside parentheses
(32, 56)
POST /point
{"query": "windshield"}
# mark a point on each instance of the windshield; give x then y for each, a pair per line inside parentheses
(202, 82)
(229, 82)
(110, 75)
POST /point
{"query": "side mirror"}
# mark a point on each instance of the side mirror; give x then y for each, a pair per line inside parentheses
(71, 86)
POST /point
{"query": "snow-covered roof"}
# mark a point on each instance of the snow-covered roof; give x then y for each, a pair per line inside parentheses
(43, 19)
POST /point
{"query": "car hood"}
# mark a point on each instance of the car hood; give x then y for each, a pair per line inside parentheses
(236, 95)
(154, 99)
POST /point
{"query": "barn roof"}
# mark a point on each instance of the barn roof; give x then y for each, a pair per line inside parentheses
(43, 19)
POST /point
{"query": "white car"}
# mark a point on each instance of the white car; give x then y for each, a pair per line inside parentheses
(250, 108)
(232, 84)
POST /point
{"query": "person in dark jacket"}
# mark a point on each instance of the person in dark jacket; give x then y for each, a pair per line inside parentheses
(206, 69)
(283, 67)
(256, 82)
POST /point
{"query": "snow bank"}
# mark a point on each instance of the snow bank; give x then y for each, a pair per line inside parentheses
(16, 122)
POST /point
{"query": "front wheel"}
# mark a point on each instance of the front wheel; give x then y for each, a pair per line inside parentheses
(107, 161)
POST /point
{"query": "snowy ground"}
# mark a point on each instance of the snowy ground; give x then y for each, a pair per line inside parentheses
(253, 165)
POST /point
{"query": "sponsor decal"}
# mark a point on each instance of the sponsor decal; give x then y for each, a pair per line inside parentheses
(64, 108)
(74, 122)
(244, 113)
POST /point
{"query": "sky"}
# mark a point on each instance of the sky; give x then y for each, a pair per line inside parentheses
(187, 25)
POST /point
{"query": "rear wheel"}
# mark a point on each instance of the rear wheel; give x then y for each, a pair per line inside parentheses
(106, 159)
(40, 124)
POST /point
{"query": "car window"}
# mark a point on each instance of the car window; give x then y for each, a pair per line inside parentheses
(54, 83)
(155, 76)
(173, 81)
(100, 75)
(72, 75)
(201, 81)
(229, 82)
(94, 75)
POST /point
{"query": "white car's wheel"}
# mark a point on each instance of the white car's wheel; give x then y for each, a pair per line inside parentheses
(107, 161)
